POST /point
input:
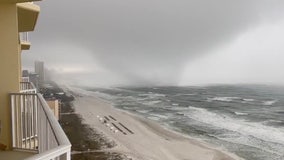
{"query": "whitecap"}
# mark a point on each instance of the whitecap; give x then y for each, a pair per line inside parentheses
(150, 103)
(151, 95)
(159, 116)
(185, 94)
(248, 100)
(269, 103)
(143, 111)
(259, 130)
(153, 118)
(223, 99)
(240, 113)
(273, 121)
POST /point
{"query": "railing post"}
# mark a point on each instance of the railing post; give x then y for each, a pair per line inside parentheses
(13, 120)
(35, 128)
(66, 156)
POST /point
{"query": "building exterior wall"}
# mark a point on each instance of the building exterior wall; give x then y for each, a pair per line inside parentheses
(10, 69)
(54, 106)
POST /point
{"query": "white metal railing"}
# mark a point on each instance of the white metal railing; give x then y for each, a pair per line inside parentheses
(25, 79)
(35, 128)
(24, 37)
(27, 87)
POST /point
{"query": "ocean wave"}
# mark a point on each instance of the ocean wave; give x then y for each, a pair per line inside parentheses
(240, 113)
(267, 149)
(153, 118)
(151, 95)
(248, 100)
(157, 116)
(269, 103)
(258, 130)
(223, 99)
(175, 104)
(144, 111)
(272, 121)
(151, 103)
(180, 113)
(230, 99)
(175, 108)
(184, 94)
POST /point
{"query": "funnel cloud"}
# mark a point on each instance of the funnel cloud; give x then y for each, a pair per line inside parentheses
(160, 42)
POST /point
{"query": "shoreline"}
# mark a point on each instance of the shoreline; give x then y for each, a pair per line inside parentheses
(150, 140)
(87, 143)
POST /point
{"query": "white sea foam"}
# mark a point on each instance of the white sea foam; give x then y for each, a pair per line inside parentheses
(153, 118)
(151, 95)
(143, 111)
(240, 113)
(273, 121)
(248, 100)
(258, 130)
(185, 94)
(180, 113)
(223, 99)
(175, 104)
(150, 103)
(159, 116)
(269, 103)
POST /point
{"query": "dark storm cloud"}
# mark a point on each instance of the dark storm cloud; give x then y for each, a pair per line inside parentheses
(147, 41)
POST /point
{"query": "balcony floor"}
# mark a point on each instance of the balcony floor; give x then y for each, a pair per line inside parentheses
(14, 155)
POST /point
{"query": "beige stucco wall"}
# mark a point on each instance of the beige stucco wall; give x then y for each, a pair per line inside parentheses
(9, 66)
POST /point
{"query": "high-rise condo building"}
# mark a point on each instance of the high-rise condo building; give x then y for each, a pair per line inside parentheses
(39, 69)
(28, 128)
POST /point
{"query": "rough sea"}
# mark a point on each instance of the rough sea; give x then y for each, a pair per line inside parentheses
(247, 120)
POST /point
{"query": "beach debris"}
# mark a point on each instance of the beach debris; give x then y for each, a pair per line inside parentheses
(107, 118)
(115, 127)
(119, 129)
(126, 128)
(112, 117)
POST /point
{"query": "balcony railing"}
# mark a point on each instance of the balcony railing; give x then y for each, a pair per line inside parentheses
(27, 87)
(25, 79)
(24, 37)
(35, 129)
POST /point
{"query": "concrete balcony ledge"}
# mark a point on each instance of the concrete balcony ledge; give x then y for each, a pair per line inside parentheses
(27, 16)
(25, 45)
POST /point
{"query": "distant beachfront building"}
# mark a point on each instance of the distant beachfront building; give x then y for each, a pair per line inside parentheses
(39, 69)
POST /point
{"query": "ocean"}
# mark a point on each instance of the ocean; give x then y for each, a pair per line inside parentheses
(247, 120)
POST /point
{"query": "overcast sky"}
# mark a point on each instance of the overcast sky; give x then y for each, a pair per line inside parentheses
(161, 42)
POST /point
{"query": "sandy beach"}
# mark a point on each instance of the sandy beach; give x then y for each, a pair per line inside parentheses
(140, 138)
